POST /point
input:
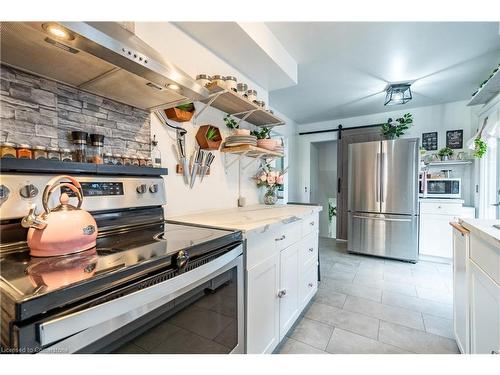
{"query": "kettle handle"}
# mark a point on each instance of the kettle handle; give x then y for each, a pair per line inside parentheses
(51, 186)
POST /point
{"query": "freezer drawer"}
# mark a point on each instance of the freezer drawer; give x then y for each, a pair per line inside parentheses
(391, 236)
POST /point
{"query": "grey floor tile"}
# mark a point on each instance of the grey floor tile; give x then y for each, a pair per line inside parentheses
(356, 290)
(291, 346)
(348, 320)
(195, 319)
(155, 336)
(345, 342)
(130, 348)
(229, 335)
(336, 274)
(414, 340)
(329, 297)
(185, 342)
(438, 295)
(343, 267)
(439, 326)
(418, 304)
(312, 332)
(403, 288)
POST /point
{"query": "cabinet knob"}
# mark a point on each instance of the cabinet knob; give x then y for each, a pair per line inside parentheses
(494, 352)
(311, 249)
(280, 238)
(311, 223)
(282, 293)
(310, 285)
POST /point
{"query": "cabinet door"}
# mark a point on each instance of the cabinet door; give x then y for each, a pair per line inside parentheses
(484, 312)
(460, 289)
(436, 235)
(289, 288)
(263, 306)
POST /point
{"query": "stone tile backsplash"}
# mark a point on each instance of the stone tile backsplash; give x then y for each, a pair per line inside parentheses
(39, 111)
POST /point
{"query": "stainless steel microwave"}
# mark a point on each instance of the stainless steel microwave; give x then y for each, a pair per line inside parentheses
(441, 188)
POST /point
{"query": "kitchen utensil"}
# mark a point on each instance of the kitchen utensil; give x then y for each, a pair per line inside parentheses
(62, 230)
(208, 161)
(181, 145)
(196, 166)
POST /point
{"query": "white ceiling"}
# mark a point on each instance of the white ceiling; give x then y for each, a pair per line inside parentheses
(343, 67)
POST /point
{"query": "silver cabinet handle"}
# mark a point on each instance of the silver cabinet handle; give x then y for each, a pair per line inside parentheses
(311, 223)
(379, 218)
(311, 249)
(310, 285)
(494, 352)
(280, 238)
(282, 293)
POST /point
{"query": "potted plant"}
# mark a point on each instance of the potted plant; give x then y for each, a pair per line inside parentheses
(209, 137)
(232, 124)
(445, 153)
(264, 138)
(271, 179)
(181, 113)
(480, 147)
(396, 128)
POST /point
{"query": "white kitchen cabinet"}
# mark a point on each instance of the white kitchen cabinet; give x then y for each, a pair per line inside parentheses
(436, 236)
(484, 312)
(289, 288)
(263, 306)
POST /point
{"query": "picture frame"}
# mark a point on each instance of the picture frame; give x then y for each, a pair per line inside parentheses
(455, 139)
(430, 141)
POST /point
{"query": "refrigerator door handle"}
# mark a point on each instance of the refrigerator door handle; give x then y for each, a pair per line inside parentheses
(380, 218)
(382, 177)
(377, 194)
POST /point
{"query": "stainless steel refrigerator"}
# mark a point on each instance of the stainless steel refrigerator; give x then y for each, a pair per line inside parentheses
(383, 198)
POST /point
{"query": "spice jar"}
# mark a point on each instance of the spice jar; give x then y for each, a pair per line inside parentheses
(117, 159)
(219, 80)
(203, 79)
(66, 154)
(108, 158)
(241, 88)
(96, 151)
(8, 150)
(149, 162)
(126, 160)
(231, 83)
(142, 162)
(39, 153)
(252, 95)
(134, 160)
(24, 151)
(80, 146)
(53, 153)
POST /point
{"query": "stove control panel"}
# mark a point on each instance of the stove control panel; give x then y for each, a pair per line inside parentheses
(97, 189)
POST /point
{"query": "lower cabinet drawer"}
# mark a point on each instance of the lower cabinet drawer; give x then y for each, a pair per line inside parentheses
(310, 224)
(308, 283)
(309, 248)
(486, 256)
(287, 234)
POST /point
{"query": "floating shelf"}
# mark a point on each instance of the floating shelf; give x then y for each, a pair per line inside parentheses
(235, 105)
(256, 153)
(488, 91)
(450, 162)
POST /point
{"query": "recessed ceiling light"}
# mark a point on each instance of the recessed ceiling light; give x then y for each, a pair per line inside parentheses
(57, 31)
(398, 93)
(173, 86)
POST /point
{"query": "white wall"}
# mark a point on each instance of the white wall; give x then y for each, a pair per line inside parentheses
(220, 189)
(440, 118)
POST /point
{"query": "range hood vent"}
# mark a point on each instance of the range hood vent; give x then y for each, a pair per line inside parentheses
(99, 57)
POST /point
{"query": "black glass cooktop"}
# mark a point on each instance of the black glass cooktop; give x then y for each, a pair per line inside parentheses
(116, 258)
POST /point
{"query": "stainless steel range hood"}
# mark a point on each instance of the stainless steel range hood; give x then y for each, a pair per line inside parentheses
(99, 57)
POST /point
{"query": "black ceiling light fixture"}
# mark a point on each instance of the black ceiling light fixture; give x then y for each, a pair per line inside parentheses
(398, 93)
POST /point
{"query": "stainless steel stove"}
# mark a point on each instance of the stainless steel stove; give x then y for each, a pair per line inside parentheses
(149, 286)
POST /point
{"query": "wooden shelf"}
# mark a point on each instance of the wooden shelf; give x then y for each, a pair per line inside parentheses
(234, 104)
(252, 151)
(488, 91)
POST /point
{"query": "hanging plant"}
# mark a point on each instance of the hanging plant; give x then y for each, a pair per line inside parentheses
(480, 147)
(396, 128)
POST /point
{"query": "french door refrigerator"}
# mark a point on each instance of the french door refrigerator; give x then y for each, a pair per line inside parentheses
(383, 199)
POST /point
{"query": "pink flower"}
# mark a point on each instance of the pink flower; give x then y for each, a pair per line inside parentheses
(279, 180)
(271, 180)
(263, 177)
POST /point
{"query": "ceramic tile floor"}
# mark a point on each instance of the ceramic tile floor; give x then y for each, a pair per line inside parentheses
(368, 305)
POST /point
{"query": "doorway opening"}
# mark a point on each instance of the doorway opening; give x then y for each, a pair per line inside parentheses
(323, 186)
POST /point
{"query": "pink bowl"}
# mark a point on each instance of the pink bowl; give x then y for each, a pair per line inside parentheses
(268, 144)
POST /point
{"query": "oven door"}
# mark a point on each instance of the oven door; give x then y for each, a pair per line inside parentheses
(199, 311)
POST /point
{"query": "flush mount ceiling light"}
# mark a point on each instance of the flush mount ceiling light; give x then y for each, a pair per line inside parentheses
(398, 93)
(57, 31)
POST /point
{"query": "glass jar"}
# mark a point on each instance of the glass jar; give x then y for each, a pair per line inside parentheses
(108, 158)
(8, 150)
(231, 83)
(126, 160)
(96, 150)
(252, 95)
(134, 160)
(241, 88)
(149, 162)
(203, 79)
(39, 153)
(219, 80)
(117, 159)
(260, 103)
(24, 151)
(80, 146)
(53, 154)
(142, 162)
(66, 154)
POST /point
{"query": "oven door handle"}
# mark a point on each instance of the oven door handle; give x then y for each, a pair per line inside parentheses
(62, 327)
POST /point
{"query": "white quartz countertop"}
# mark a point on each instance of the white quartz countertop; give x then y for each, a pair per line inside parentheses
(484, 229)
(247, 218)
